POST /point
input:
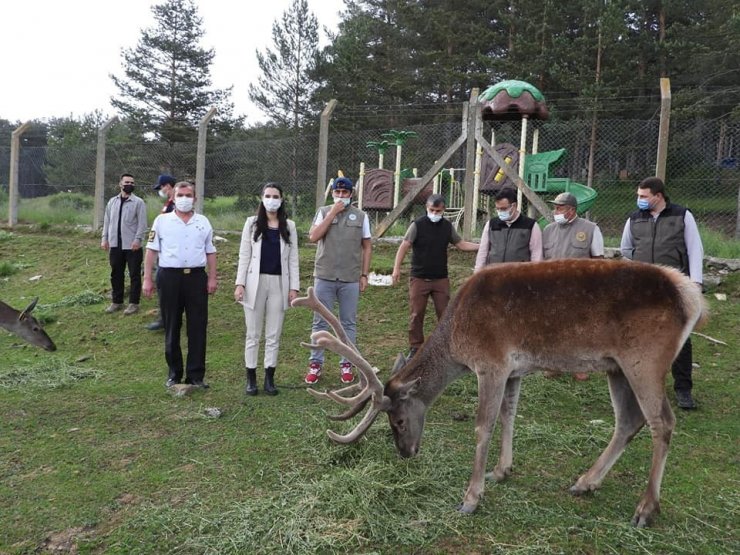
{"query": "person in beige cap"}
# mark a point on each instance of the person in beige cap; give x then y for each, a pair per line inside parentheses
(570, 236)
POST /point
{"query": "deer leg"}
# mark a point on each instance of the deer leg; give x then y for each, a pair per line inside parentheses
(628, 420)
(490, 395)
(661, 422)
(506, 418)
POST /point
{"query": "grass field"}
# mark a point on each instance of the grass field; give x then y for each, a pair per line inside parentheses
(96, 456)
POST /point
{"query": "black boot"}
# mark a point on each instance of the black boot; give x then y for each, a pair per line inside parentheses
(269, 381)
(251, 381)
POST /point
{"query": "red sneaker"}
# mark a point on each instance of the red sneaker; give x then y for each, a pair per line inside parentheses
(314, 372)
(346, 375)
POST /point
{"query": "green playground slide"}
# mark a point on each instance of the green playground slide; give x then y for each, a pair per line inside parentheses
(537, 175)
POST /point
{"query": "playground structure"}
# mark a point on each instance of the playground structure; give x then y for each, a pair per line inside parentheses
(379, 189)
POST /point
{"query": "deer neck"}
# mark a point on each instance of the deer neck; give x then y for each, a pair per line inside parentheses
(8, 317)
(435, 366)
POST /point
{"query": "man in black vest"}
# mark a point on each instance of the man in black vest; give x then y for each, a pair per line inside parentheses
(428, 238)
(510, 236)
(661, 232)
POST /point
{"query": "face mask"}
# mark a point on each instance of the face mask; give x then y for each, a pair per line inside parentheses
(346, 201)
(504, 215)
(272, 204)
(184, 204)
(643, 204)
(128, 189)
(561, 219)
(434, 218)
(162, 194)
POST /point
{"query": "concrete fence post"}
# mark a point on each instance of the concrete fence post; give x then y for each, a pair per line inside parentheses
(200, 161)
(100, 174)
(15, 162)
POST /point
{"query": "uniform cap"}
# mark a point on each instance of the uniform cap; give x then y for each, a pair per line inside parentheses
(565, 199)
(164, 179)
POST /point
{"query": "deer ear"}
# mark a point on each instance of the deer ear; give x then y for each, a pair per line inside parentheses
(28, 309)
(408, 389)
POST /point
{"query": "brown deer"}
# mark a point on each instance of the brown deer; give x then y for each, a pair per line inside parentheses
(25, 326)
(626, 318)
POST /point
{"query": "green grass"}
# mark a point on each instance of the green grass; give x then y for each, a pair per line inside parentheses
(94, 449)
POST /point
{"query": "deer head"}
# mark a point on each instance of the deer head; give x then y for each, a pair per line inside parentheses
(25, 326)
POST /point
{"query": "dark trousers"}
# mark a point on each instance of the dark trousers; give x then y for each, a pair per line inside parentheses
(681, 368)
(419, 292)
(184, 292)
(119, 259)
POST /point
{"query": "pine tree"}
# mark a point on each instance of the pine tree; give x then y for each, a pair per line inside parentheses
(167, 85)
(284, 90)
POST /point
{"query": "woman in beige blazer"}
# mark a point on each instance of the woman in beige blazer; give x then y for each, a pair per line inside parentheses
(266, 281)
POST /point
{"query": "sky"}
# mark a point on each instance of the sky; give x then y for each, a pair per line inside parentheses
(57, 55)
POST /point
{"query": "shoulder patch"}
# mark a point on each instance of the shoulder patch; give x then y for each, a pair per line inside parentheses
(152, 235)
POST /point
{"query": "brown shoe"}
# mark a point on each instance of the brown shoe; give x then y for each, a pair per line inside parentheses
(131, 309)
(580, 376)
(114, 307)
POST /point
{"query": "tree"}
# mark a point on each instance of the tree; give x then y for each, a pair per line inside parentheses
(167, 85)
(285, 88)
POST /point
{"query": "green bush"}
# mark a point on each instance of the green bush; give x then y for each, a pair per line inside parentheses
(75, 201)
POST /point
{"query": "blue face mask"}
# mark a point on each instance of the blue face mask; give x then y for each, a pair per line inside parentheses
(504, 215)
(643, 204)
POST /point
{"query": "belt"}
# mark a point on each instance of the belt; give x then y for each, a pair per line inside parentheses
(197, 270)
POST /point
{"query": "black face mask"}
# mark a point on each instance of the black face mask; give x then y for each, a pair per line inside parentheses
(128, 189)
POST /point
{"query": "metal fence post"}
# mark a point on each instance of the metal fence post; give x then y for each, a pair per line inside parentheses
(200, 161)
(323, 152)
(15, 158)
(100, 174)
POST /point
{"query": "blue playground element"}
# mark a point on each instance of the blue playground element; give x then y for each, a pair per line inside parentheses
(537, 176)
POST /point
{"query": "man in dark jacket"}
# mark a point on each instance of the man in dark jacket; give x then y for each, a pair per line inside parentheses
(660, 232)
(428, 238)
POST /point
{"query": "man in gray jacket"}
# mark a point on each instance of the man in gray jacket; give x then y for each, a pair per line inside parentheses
(344, 248)
(661, 232)
(124, 227)
(570, 236)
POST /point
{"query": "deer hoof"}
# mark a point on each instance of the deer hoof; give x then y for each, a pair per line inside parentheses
(577, 489)
(467, 508)
(645, 514)
(499, 474)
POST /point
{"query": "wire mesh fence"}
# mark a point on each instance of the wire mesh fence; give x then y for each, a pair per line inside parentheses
(702, 169)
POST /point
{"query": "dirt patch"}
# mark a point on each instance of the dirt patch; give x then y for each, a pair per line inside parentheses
(64, 541)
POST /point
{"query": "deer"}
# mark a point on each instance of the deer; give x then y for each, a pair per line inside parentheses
(628, 319)
(25, 326)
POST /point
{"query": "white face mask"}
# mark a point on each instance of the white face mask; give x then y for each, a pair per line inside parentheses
(272, 204)
(561, 219)
(184, 204)
(504, 215)
(346, 200)
(434, 218)
(162, 194)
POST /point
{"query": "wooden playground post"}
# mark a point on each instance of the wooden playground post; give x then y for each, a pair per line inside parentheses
(323, 152)
(15, 162)
(522, 157)
(360, 185)
(665, 121)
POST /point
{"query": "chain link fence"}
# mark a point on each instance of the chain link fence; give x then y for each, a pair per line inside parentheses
(702, 168)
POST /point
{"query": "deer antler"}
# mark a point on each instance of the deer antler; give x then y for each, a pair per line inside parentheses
(371, 386)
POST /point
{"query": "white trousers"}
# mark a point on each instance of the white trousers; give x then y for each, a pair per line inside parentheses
(268, 309)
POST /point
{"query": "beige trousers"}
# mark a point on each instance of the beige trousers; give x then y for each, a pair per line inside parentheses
(268, 309)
